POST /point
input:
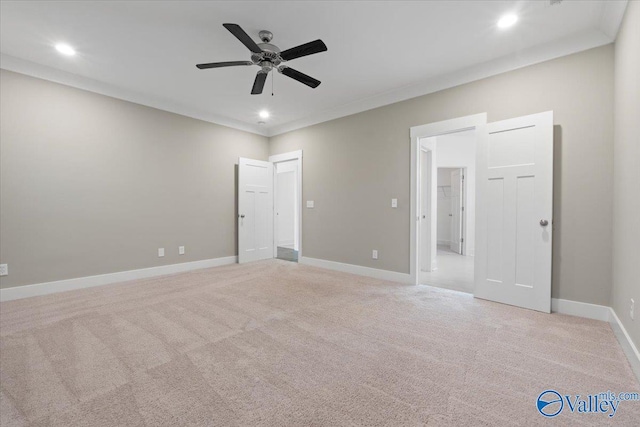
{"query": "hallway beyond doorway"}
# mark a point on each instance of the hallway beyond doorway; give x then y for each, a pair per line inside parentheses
(454, 271)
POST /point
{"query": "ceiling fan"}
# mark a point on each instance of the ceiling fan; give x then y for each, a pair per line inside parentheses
(268, 56)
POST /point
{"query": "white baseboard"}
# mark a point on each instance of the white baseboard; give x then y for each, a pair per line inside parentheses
(357, 269)
(580, 309)
(606, 314)
(627, 344)
(19, 292)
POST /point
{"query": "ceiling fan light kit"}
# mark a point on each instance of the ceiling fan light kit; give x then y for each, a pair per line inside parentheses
(268, 57)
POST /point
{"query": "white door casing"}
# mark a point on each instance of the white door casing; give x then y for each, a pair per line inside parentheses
(428, 215)
(514, 199)
(255, 210)
(456, 211)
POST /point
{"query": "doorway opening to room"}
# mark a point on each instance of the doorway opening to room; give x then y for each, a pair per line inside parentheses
(507, 196)
(270, 208)
(285, 210)
(447, 205)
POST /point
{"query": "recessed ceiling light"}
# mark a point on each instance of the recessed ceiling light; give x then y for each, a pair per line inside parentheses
(65, 49)
(507, 20)
(264, 114)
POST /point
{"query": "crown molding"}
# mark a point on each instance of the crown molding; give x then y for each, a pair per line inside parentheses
(576, 43)
(11, 63)
(611, 17)
(608, 25)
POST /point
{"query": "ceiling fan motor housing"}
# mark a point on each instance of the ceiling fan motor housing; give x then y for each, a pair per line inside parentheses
(270, 53)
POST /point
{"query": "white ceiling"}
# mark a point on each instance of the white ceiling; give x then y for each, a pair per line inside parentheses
(379, 52)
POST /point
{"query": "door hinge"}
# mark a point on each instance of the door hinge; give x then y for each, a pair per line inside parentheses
(462, 240)
(462, 209)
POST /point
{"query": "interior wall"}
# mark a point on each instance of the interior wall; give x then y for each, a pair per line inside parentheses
(459, 150)
(626, 173)
(355, 165)
(91, 184)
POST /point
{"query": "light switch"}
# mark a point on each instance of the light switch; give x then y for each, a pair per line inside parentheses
(394, 203)
(310, 203)
(180, 250)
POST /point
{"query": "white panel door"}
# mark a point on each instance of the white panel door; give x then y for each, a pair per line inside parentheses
(514, 199)
(456, 211)
(255, 210)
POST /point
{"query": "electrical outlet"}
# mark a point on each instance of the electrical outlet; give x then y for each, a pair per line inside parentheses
(374, 254)
(310, 204)
(180, 250)
(160, 252)
(632, 309)
(4, 269)
(394, 203)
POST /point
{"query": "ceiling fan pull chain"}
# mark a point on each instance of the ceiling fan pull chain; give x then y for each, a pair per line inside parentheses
(272, 77)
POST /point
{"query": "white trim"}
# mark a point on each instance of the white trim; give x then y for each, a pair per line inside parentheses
(285, 157)
(580, 309)
(575, 43)
(609, 24)
(32, 69)
(626, 342)
(605, 314)
(393, 276)
(477, 122)
(19, 292)
(611, 18)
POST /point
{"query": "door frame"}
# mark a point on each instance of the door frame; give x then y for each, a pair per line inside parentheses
(477, 122)
(427, 151)
(280, 158)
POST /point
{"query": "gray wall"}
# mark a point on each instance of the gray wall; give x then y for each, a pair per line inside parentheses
(626, 174)
(92, 184)
(354, 165)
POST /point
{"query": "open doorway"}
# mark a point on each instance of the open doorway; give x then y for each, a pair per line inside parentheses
(445, 202)
(452, 212)
(287, 207)
(513, 162)
(286, 213)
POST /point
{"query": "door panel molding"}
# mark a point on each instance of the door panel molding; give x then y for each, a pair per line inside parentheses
(514, 193)
(255, 210)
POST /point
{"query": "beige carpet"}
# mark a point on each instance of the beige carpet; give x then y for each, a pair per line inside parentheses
(276, 343)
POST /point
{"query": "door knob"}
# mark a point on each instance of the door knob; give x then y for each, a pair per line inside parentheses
(544, 222)
(241, 216)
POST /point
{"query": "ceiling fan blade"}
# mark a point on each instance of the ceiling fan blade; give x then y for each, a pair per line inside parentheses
(223, 64)
(301, 77)
(310, 48)
(240, 34)
(258, 83)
